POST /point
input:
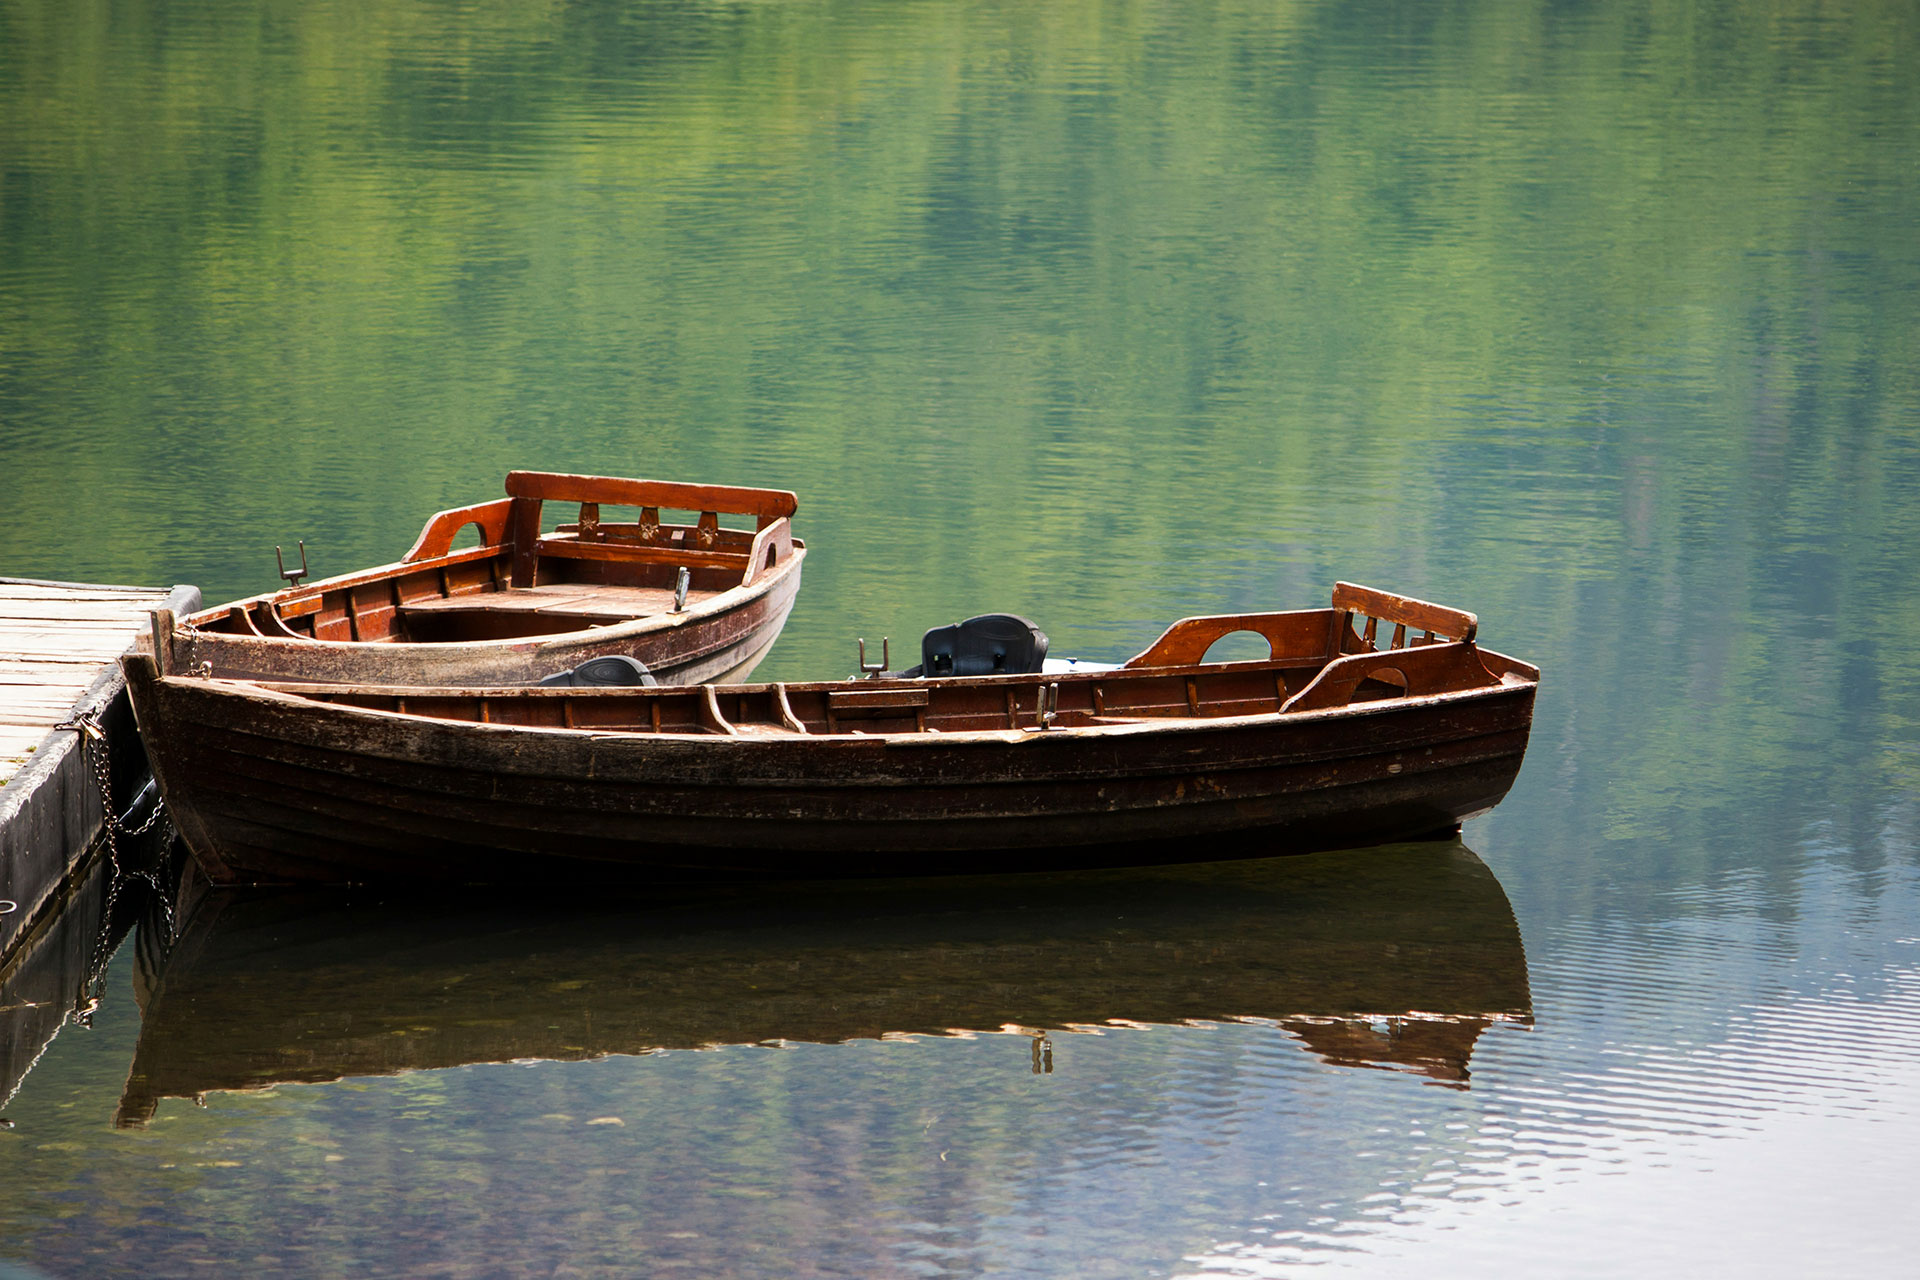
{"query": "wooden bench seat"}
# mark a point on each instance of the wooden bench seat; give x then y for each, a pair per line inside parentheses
(561, 599)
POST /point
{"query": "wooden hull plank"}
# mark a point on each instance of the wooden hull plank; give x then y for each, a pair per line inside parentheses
(280, 784)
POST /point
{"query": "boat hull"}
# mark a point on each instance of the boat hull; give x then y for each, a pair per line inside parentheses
(695, 602)
(272, 787)
(723, 642)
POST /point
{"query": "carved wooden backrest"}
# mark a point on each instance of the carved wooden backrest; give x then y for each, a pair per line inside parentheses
(527, 490)
(765, 505)
(1434, 622)
(1298, 634)
(436, 539)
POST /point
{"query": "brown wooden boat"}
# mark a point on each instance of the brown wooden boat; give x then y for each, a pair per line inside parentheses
(1396, 961)
(1330, 741)
(522, 604)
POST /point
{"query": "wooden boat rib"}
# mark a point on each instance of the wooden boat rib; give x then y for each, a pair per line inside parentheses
(1329, 742)
(523, 604)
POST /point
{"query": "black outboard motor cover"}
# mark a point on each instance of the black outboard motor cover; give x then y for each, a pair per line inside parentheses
(608, 672)
(993, 644)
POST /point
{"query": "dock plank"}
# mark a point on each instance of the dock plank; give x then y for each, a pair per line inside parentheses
(38, 670)
(73, 595)
(55, 639)
(16, 743)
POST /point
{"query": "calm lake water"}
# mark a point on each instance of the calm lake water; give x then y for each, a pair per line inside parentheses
(1601, 320)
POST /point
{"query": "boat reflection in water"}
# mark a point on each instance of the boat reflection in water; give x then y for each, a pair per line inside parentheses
(1393, 957)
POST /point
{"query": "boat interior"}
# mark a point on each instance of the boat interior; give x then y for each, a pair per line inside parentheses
(516, 581)
(1318, 659)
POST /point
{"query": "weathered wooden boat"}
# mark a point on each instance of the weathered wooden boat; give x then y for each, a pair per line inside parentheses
(1330, 741)
(1396, 961)
(691, 602)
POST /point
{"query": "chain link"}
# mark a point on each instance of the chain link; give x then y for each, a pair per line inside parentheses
(93, 750)
(92, 736)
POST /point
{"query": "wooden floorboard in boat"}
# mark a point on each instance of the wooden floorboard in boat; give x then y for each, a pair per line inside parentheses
(55, 639)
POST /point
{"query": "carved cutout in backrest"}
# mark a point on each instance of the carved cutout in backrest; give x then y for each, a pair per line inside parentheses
(1239, 646)
(771, 545)
(437, 538)
(1300, 635)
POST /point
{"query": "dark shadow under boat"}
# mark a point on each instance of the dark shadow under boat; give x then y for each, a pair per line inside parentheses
(1398, 958)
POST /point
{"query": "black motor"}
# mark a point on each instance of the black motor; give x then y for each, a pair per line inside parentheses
(613, 670)
(993, 644)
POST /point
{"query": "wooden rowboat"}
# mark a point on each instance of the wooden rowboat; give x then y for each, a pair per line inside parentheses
(1399, 961)
(523, 604)
(1330, 741)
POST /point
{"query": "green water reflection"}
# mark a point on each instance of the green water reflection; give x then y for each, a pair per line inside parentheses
(1597, 319)
(244, 990)
(470, 1031)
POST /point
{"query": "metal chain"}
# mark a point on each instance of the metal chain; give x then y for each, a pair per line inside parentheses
(92, 736)
(93, 751)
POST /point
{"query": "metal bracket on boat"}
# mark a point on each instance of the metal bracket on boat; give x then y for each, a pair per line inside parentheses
(1047, 706)
(885, 658)
(681, 582)
(292, 576)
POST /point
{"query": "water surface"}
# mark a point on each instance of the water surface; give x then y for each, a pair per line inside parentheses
(1600, 320)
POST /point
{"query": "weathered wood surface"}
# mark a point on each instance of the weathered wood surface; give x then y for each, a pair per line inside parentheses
(720, 636)
(844, 778)
(563, 598)
(58, 642)
(55, 640)
(1403, 612)
(524, 605)
(544, 486)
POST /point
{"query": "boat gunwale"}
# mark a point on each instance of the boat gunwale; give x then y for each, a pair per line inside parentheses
(719, 603)
(320, 698)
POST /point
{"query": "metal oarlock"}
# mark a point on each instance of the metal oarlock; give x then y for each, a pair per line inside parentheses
(885, 658)
(292, 576)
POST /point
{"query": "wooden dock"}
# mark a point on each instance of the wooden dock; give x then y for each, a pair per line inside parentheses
(58, 643)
